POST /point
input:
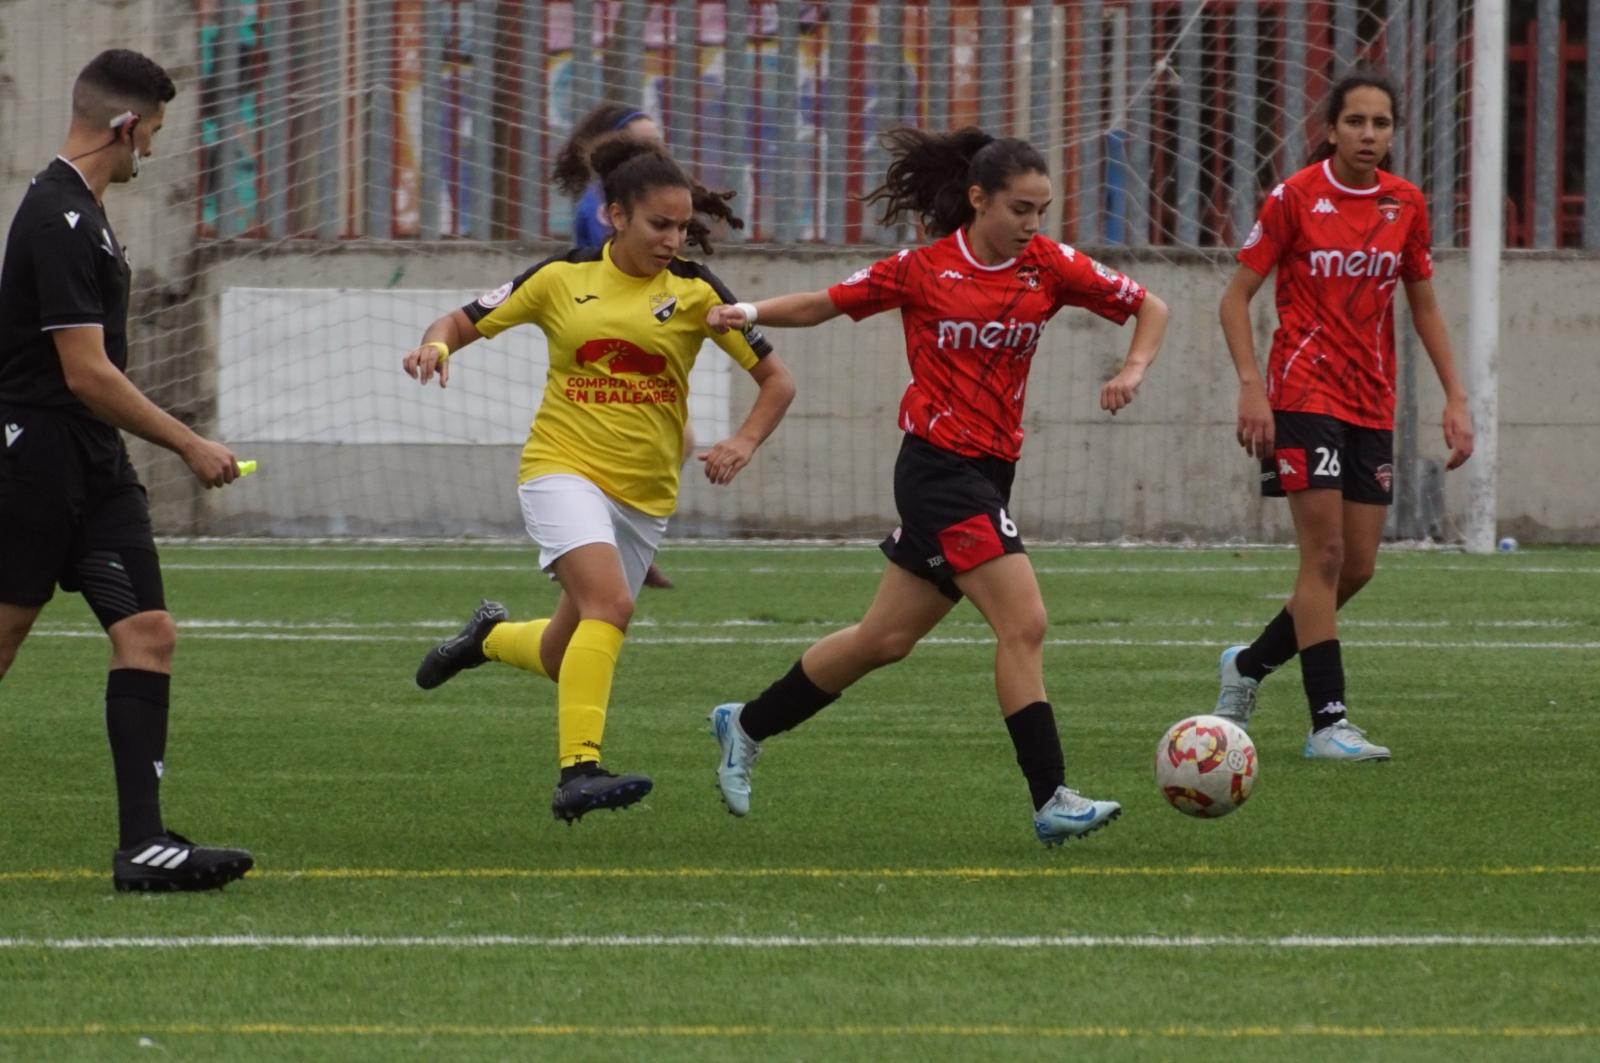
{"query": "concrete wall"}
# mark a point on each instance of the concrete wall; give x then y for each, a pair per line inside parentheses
(1166, 468)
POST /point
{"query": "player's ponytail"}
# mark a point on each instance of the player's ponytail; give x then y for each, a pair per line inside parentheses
(571, 172)
(931, 173)
(629, 168)
(1361, 78)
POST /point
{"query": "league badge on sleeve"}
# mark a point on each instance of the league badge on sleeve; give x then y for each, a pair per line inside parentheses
(490, 300)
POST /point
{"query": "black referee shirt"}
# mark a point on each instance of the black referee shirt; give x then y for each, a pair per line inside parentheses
(63, 267)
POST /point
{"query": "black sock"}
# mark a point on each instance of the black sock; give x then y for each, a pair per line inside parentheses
(1323, 672)
(1272, 649)
(136, 723)
(1033, 733)
(583, 767)
(784, 705)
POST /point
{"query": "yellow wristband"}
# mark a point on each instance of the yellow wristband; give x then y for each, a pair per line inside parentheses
(442, 346)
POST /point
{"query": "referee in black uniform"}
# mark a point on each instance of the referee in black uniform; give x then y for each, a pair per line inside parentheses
(72, 510)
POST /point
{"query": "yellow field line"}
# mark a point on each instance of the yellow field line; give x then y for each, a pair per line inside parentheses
(286, 1029)
(1077, 872)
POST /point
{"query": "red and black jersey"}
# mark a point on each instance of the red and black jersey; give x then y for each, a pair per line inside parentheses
(971, 331)
(1339, 252)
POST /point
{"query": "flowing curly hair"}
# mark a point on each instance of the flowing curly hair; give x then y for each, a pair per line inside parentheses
(571, 172)
(931, 172)
(629, 168)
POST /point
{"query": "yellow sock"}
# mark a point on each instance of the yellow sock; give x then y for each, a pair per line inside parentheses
(584, 689)
(517, 645)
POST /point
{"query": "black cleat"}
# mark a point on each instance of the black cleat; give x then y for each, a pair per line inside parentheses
(171, 862)
(462, 651)
(596, 790)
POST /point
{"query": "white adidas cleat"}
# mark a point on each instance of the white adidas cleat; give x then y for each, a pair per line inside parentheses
(1236, 700)
(1068, 814)
(739, 753)
(1343, 741)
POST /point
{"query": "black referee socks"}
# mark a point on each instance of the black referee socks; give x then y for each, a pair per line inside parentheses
(136, 722)
(784, 705)
(1033, 733)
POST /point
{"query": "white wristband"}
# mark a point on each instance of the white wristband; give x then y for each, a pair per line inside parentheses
(749, 312)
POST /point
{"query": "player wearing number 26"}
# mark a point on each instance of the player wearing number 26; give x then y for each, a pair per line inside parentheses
(1342, 234)
(599, 475)
(974, 305)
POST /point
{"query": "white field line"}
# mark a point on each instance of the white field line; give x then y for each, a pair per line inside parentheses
(276, 635)
(828, 625)
(866, 568)
(844, 941)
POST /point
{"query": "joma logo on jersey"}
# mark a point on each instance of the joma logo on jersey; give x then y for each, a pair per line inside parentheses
(1368, 263)
(992, 335)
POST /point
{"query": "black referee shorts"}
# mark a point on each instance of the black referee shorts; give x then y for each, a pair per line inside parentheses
(952, 513)
(66, 522)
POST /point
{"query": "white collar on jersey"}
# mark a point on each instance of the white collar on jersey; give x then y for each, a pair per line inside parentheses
(1327, 170)
(77, 171)
(961, 239)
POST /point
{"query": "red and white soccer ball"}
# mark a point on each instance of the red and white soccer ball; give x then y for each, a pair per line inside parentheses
(1206, 766)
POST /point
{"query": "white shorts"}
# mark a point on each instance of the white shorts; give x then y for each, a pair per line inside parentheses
(563, 512)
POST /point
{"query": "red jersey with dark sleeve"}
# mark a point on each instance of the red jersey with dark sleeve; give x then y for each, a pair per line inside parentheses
(971, 331)
(1340, 252)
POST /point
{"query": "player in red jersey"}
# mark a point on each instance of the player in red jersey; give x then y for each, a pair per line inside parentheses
(1342, 234)
(974, 305)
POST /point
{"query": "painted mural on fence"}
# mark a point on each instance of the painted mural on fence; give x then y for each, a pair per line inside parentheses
(231, 149)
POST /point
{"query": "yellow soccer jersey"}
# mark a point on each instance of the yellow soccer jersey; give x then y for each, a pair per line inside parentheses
(621, 348)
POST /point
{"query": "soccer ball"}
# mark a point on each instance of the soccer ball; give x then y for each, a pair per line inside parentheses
(1206, 766)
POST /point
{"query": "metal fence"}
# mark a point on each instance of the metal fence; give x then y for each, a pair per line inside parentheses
(1164, 119)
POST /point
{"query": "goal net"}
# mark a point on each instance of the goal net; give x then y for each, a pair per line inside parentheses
(335, 175)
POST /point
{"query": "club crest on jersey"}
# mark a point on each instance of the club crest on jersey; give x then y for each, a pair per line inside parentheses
(662, 305)
(1389, 207)
(490, 300)
(1029, 275)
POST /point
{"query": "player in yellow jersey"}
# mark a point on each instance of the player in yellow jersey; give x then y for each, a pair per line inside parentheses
(599, 475)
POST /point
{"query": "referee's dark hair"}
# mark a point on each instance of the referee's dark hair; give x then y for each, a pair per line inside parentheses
(931, 173)
(116, 78)
(629, 168)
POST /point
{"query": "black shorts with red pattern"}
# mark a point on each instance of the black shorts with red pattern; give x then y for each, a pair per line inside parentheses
(1314, 450)
(952, 513)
